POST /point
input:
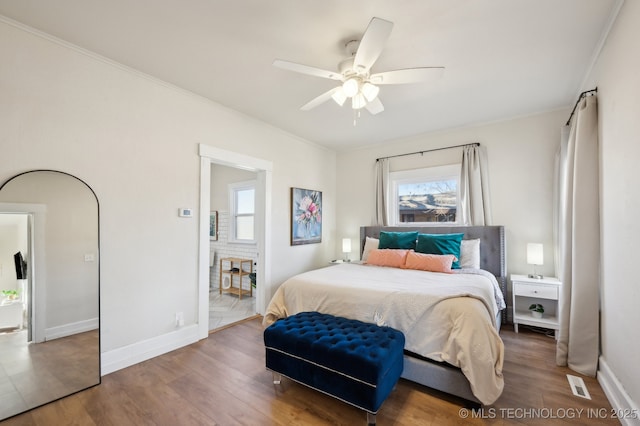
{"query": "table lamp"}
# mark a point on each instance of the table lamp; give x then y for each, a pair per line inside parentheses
(535, 256)
(346, 248)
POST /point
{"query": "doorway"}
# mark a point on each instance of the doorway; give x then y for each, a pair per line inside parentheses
(214, 157)
(233, 245)
(15, 292)
(28, 236)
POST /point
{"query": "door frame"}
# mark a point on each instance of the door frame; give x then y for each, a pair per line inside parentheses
(36, 266)
(263, 169)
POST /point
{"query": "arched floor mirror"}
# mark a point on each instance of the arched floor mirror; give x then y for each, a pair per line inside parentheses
(49, 289)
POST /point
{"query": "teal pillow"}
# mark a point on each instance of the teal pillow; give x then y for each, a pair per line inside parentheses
(441, 244)
(398, 240)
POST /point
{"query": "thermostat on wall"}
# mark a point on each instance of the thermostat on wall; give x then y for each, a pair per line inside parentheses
(182, 212)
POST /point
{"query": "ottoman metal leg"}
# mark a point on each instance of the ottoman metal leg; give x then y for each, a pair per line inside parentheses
(277, 377)
(371, 419)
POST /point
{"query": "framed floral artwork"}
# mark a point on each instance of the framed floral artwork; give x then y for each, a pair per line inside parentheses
(306, 216)
(213, 226)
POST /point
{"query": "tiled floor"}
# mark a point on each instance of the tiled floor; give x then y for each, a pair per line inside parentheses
(34, 374)
(227, 308)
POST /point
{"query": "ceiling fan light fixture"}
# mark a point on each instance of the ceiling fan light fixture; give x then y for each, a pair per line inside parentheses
(339, 97)
(354, 78)
(351, 87)
(358, 101)
(370, 91)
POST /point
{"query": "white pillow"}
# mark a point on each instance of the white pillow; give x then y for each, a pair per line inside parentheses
(369, 244)
(470, 254)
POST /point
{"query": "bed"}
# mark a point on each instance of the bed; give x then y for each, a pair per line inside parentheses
(450, 320)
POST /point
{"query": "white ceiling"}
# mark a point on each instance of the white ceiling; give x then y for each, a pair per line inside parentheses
(503, 58)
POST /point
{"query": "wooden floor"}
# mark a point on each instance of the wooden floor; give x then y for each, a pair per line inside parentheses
(222, 381)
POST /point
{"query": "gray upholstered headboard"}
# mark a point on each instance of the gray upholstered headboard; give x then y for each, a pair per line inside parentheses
(493, 250)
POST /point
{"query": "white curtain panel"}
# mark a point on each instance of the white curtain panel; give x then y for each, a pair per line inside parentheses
(579, 241)
(382, 192)
(558, 195)
(474, 187)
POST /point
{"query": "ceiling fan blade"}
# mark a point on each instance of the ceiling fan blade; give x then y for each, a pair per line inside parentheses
(375, 106)
(409, 75)
(319, 100)
(372, 43)
(305, 69)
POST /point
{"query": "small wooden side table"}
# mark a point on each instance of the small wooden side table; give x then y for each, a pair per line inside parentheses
(236, 267)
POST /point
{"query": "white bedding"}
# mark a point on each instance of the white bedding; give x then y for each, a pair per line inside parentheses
(445, 317)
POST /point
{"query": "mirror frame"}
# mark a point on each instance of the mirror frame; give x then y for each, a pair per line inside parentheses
(99, 381)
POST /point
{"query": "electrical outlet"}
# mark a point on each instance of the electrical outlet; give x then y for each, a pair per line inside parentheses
(179, 319)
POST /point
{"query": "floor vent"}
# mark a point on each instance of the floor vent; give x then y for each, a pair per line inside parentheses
(578, 387)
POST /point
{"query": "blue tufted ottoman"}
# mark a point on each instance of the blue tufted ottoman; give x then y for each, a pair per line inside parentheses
(356, 362)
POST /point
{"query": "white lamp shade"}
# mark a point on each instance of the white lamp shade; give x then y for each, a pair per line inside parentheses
(351, 87)
(346, 245)
(358, 101)
(370, 91)
(339, 96)
(535, 255)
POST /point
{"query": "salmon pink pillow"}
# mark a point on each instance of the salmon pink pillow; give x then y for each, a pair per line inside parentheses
(429, 262)
(388, 257)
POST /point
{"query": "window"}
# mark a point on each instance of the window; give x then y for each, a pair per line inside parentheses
(424, 196)
(242, 196)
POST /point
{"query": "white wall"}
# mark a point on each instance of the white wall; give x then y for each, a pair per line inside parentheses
(221, 177)
(520, 156)
(134, 140)
(617, 76)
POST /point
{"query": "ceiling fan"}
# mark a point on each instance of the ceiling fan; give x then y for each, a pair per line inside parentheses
(354, 73)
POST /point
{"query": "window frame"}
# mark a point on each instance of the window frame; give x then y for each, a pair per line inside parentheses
(234, 188)
(422, 175)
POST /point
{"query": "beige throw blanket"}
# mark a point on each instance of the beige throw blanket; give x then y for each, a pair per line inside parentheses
(445, 317)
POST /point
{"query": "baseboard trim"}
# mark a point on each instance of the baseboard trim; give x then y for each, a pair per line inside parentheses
(71, 329)
(617, 396)
(127, 356)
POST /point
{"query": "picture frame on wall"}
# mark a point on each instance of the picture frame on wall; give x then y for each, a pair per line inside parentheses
(213, 226)
(306, 216)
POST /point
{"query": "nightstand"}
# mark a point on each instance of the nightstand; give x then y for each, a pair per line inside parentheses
(526, 291)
